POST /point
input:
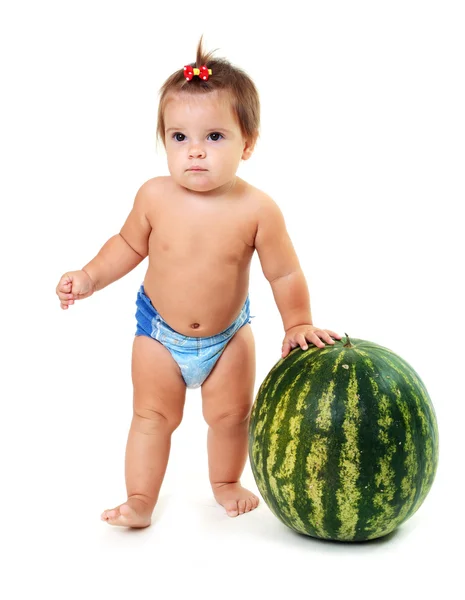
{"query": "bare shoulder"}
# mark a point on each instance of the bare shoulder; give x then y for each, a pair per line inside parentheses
(272, 241)
(151, 187)
(266, 203)
(139, 223)
(253, 197)
(149, 195)
(258, 199)
(271, 224)
(267, 211)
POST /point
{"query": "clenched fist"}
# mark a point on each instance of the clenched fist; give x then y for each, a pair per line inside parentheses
(74, 285)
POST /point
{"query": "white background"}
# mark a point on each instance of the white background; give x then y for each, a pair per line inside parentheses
(362, 147)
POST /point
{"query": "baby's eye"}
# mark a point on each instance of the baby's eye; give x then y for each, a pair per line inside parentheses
(216, 133)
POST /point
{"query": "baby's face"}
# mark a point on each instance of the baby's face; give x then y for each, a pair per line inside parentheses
(201, 131)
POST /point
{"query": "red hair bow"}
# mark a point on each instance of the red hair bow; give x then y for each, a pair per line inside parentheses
(203, 72)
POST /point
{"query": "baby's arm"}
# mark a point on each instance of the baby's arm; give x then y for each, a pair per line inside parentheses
(125, 250)
(281, 266)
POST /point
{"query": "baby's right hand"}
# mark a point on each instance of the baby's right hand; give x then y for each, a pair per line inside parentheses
(74, 285)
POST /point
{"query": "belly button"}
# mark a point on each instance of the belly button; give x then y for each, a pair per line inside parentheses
(195, 325)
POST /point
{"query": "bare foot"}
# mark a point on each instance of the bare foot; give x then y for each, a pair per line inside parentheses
(133, 513)
(236, 499)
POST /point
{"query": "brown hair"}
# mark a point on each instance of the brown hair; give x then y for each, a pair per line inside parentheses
(235, 82)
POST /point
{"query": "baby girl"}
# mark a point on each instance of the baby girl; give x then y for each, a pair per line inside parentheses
(199, 227)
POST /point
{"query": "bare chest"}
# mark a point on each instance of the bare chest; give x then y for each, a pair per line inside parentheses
(199, 259)
(184, 234)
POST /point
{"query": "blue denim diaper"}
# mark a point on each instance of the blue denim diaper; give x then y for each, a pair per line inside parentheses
(196, 356)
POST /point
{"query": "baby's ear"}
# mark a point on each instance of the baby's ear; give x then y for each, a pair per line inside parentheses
(249, 147)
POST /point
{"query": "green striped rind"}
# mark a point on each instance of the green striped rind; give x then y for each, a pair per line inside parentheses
(348, 493)
(343, 442)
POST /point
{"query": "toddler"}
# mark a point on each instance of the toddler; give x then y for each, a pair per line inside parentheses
(199, 227)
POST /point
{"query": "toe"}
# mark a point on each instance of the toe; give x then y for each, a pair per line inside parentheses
(241, 504)
(113, 514)
(232, 509)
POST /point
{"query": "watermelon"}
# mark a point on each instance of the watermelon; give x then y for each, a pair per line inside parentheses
(343, 440)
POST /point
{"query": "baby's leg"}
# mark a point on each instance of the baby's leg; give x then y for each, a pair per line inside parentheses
(159, 396)
(227, 398)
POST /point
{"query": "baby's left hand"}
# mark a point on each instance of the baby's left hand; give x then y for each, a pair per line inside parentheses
(299, 335)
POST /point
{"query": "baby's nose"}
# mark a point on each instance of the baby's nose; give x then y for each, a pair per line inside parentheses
(196, 152)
